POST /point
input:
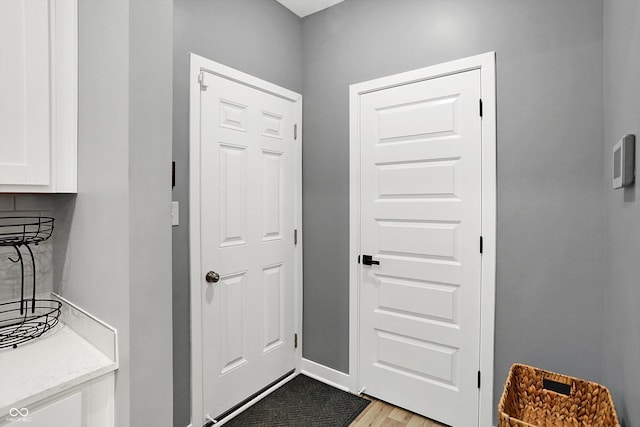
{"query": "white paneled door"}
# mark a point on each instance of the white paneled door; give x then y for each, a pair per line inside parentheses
(420, 222)
(247, 221)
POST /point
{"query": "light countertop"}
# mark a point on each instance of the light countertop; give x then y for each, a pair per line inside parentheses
(62, 358)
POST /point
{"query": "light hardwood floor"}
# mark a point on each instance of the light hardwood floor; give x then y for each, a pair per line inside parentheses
(382, 414)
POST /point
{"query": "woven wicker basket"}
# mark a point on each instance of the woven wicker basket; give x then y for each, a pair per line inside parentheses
(534, 398)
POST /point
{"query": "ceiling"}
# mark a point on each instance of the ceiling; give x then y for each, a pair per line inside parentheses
(303, 8)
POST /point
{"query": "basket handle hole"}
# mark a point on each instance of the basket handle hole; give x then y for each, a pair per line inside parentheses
(557, 387)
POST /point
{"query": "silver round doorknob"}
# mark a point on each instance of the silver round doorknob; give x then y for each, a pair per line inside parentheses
(212, 277)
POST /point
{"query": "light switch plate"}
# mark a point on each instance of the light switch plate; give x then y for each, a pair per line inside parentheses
(175, 213)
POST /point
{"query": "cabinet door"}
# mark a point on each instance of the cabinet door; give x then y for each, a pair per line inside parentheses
(63, 413)
(66, 412)
(90, 404)
(25, 92)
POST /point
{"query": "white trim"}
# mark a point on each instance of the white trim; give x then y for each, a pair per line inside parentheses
(486, 64)
(64, 96)
(197, 65)
(326, 375)
(354, 236)
(244, 78)
(194, 244)
(298, 274)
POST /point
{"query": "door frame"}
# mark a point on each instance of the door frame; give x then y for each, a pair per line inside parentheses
(486, 64)
(199, 64)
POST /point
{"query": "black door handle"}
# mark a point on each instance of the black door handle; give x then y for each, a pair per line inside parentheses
(368, 260)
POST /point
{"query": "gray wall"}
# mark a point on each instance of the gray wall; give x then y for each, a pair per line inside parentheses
(259, 37)
(550, 127)
(95, 261)
(622, 296)
(150, 146)
(112, 253)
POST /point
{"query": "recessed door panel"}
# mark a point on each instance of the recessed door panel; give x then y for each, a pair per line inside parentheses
(272, 281)
(233, 195)
(418, 298)
(271, 190)
(425, 118)
(418, 239)
(232, 325)
(233, 115)
(271, 125)
(417, 179)
(416, 359)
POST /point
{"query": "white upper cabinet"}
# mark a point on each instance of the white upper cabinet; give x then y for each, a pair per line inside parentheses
(38, 96)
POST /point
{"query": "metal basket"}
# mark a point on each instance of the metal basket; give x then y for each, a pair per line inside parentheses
(21, 321)
(16, 230)
(26, 318)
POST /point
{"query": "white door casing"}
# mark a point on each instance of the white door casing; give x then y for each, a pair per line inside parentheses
(422, 194)
(245, 183)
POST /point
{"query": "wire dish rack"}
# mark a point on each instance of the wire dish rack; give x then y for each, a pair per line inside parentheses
(26, 318)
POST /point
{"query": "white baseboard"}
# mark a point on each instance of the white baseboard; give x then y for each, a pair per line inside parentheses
(325, 374)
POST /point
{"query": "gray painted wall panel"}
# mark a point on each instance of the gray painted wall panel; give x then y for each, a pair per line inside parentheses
(550, 127)
(258, 37)
(150, 145)
(112, 248)
(622, 297)
(93, 265)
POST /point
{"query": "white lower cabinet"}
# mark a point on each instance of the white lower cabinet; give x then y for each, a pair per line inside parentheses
(90, 404)
(66, 412)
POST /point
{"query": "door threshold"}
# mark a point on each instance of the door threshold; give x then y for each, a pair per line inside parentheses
(251, 400)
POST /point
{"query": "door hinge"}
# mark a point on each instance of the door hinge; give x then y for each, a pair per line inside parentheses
(295, 237)
(480, 107)
(481, 244)
(478, 379)
(295, 131)
(295, 340)
(358, 259)
(203, 86)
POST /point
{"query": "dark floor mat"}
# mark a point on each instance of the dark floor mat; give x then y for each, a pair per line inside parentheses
(302, 402)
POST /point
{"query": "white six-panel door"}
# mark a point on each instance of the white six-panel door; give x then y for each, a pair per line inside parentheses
(247, 221)
(420, 218)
